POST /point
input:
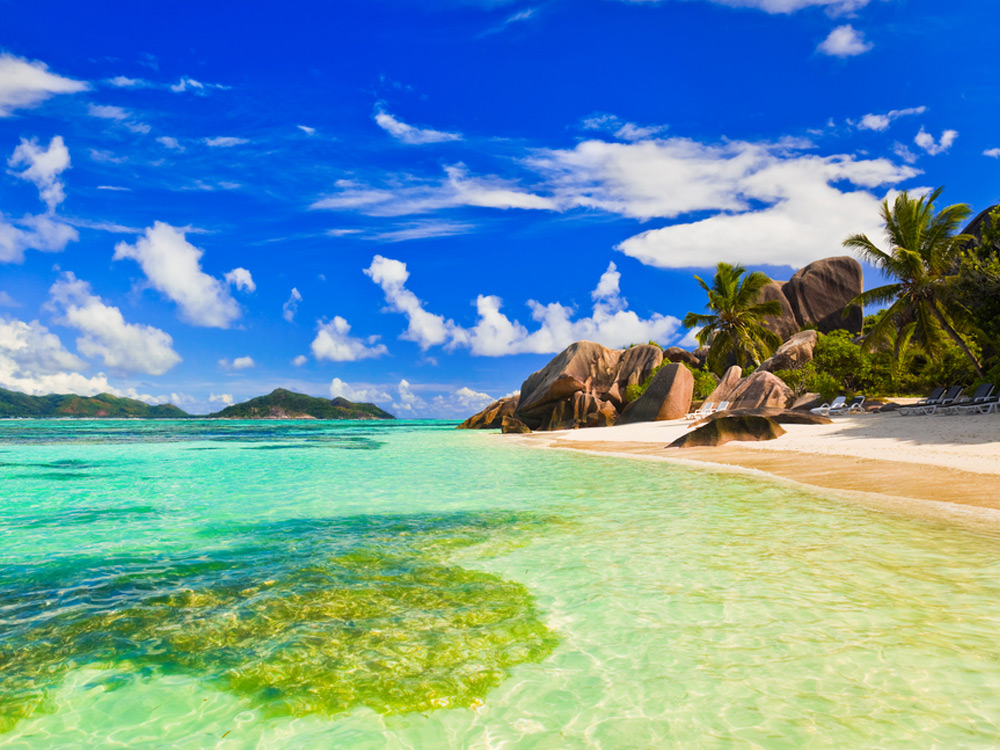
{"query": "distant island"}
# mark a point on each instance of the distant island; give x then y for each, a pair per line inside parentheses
(279, 404)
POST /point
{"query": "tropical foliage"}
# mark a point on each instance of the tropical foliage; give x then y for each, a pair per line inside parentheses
(925, 251)
(735, 327)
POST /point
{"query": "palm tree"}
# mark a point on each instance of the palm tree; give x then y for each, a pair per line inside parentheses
(735, 327)
(924, 254)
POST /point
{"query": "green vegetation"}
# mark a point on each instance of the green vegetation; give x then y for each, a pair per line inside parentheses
(284, 404)
(735, 327)
(924, 254)
(13, 404)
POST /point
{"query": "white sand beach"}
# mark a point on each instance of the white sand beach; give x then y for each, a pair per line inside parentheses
(949, 459)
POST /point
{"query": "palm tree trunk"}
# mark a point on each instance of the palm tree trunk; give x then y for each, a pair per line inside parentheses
(957, 338)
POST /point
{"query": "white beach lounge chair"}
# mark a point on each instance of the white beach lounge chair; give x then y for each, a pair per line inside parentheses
(950, 397)
(702, 411)
(934, 398)
(969, 405)
(723, 406)
(825, 409)
(854, 407)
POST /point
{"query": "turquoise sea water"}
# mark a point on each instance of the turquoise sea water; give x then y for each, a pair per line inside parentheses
(406, 585)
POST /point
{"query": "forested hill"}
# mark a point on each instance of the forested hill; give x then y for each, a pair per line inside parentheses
(285, 404)
(14, 404)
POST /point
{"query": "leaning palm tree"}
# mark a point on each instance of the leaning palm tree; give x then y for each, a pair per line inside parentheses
(924, 252)
(735, 327)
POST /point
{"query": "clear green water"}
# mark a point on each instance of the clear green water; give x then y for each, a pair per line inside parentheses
(371, 585)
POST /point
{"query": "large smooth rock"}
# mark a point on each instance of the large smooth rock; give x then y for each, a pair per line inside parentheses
(761, 390)
(787, 323)
(676, 354)
(668, 397)
(491, 417)
(730, 379)
(793, 353)
(513, 425)
(819, 292)
(584, 385)
(725, 429)
(817, 295)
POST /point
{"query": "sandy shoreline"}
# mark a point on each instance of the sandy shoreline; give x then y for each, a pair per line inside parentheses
(936, 466)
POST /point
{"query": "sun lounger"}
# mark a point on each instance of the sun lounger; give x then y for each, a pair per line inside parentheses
(950, 397)
(935, 398)
(703, 411)
(982, 393)
(854, 407)
(825, 409)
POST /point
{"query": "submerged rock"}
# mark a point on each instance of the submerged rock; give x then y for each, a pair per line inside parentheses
(727, 428)
(513, 425)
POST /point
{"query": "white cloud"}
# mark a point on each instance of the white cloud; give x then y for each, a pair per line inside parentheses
(26, 84)
(190, 84)
(426, 329)
(240, 363)
(241, 279)
(172, 266)
(300, 360)
(457, 189)
(466, 398)
(992, 152)
(123, 346)
(118, 114)
(7, 301)
(124, 82)
(117, 188)
(226, 399)
(409, 134)
(494, 334)
(690, 340)
(40, 232)
(882, 122)
(833, 7)
(334, 342)
(225, 141)
(844, 41)
(306, 129)
(170, 142)
(408, 402)
(338, 388)
(289, 309)
(43, 167)
(627, 131)
(926, 141)
(904, 153)
(420, 230)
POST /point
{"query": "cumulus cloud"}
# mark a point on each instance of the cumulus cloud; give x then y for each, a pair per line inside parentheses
(882, 122)
(667, 179)
(241, 279)
(170, 142)
(410, 134)
(992, 152)
(26, 84)
(105, 334)
(333, 342)
(124, 82)
(340, 389)
(611, 322)
(226, 399)
(42, 167)
(239, 363)
(172, 266)
(45, 232)
(300, 360)
(289, 309)
(412, 197)
(934, 147)
(844, 41)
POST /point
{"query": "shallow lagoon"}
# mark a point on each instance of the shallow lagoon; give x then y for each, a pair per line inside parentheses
(288, 584)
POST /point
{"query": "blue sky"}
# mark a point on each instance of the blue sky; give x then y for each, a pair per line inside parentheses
(419, 203)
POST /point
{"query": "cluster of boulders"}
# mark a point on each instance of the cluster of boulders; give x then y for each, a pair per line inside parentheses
(586, 384)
